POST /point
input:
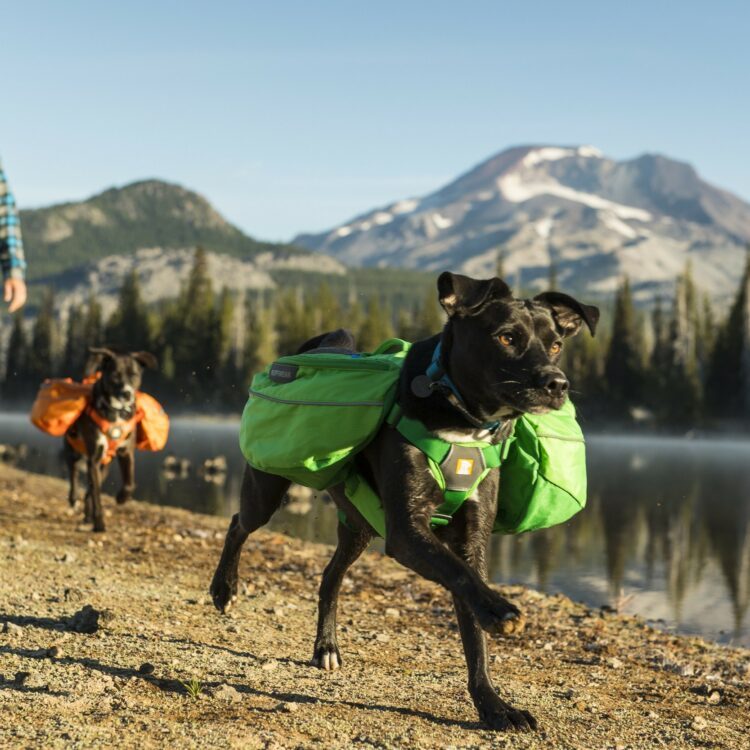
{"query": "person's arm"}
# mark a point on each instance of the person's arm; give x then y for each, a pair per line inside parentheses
(11, 249)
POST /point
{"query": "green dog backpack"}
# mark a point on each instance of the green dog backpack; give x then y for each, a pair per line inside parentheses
(543, 476)
(309, 414)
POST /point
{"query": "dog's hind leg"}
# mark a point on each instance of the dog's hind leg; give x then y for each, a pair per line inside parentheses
(351, 545)
(260, 497)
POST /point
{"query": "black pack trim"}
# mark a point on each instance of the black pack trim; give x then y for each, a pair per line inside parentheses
(281, 373)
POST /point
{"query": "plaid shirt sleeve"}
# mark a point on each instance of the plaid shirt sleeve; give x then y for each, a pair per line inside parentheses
(11, 245)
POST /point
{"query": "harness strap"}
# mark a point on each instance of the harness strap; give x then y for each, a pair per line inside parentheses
(115, 432)
(457, 468)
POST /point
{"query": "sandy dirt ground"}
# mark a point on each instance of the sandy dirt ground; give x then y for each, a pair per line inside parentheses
(163, 669)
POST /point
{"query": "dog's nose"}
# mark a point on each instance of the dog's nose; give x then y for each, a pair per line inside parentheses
(555, 383)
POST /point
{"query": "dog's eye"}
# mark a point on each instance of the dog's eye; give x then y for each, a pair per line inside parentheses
(506, 339)
(555, 348)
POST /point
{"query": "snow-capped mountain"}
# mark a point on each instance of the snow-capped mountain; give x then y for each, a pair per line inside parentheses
(594, 218)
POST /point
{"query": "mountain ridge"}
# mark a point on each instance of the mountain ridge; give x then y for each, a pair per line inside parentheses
(594, 218)
(122, 220)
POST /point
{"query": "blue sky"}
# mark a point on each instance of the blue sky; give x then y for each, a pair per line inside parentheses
(294, 116)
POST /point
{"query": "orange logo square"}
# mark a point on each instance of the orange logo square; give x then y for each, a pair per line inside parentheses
(464, 467)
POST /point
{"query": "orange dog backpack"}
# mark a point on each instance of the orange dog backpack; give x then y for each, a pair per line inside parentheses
(153, 426)
(58, 405)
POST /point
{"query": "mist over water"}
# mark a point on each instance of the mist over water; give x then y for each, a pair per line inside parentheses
(665, 534)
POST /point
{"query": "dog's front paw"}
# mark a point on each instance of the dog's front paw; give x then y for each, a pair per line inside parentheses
(505, 718)
(499, 617)
(223, 592)
(327, 656)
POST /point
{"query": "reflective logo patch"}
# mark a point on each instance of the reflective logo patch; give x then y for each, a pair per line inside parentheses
(464, 467)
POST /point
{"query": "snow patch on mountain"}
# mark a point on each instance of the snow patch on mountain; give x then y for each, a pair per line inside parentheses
(515, 188)
(611, 220)
(441, 222)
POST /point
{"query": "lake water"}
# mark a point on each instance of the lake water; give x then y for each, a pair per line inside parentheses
(665, 534)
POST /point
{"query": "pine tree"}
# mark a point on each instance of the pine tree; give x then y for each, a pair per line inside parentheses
(42, 351)
(706, 337)
(93, 327)
(74, 354)
(680, 399)
(430, 318)
(328, 315)
(622, 369)
(553, 275)
(377, 326)
(405, 324)
(260, 348)
(500, 263)
(728, 383)
(16, 370)
(190, 329)
(129, 328)
(294, 324)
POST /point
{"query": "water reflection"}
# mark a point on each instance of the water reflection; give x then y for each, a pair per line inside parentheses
(666, 532)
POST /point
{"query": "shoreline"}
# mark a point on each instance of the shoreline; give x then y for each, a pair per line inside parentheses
(592, 679)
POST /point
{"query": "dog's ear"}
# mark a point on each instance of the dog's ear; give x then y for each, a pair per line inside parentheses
(101, 352)
(145, 359)
(460, 295)
(569, 313)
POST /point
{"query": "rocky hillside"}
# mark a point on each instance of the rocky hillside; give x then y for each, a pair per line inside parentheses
(151, 215)
(592, 217)
(162, 272)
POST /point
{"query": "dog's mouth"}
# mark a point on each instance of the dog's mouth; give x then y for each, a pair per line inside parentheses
(531, 401)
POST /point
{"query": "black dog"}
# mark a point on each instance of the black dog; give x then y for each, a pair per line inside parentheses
(501, 353)
(106, 429)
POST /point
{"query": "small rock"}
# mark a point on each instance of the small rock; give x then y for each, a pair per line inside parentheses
(392, 613)
(68, 557)
(54, 652)
(86, 620)
(72, 595)
(615, 663)
(12, 629)
(714, 697)
(226, 693)
(233, 629)
(269, 665)
(286, 707)
(547, 647)
(699, 723)
(146, 668)
(278, 611)
(382, 637)
(31, 680)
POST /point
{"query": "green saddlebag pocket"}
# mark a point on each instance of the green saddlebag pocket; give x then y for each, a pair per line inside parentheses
(309, 414)
(543, 478)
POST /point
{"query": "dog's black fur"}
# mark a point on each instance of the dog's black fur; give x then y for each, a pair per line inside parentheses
(502, 355)
(113, 397)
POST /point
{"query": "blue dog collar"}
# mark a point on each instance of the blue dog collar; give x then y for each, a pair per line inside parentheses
(438, 376)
